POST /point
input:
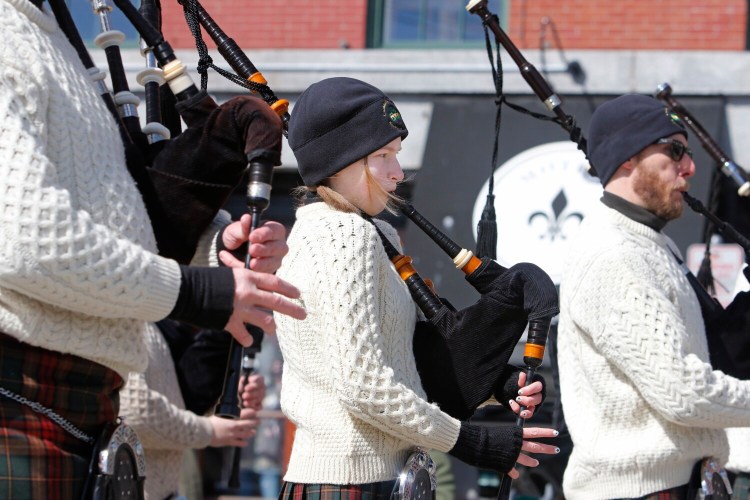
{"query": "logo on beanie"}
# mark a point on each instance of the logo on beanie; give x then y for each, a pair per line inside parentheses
(674, 117)
(394, 116)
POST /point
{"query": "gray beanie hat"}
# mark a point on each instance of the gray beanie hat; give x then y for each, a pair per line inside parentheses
(625, 126)
(338, 121)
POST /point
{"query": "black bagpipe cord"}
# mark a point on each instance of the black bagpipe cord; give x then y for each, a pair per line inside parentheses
(487, 225)
(191, 10)
(205, 61)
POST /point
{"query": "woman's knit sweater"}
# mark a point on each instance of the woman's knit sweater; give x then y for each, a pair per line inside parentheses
(640, 397)
(350, 383)
(78, 269)
(152, 404)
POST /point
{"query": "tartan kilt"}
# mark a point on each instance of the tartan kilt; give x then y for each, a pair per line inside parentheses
(370, 491)
(38, 458)
(676, 493)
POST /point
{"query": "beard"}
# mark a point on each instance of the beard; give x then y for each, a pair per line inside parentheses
(658, 195)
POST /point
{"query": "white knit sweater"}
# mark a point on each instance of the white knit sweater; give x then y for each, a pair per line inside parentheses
(152, 404)
(640, 397)
(350, 383)
(78, 272)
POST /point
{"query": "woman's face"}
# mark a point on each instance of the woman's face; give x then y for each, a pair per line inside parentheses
(353, 184)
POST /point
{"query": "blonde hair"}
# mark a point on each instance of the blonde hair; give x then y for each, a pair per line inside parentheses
(337, 201)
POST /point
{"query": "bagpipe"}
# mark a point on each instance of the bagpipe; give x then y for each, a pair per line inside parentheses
(726, 328)
(720, 323)
(186, 176)
(462, 355)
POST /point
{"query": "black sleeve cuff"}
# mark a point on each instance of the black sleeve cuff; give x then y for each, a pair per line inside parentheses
(206, 297)
(494, 448)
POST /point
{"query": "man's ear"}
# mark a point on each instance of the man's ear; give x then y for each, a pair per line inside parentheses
(629, 164)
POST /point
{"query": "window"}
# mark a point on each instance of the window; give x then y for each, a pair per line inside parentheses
(427, 23)
(89, 26)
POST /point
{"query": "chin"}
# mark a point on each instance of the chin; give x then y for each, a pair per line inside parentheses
(373, 211)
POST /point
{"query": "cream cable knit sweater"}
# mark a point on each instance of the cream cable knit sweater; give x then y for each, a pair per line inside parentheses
(78, 272)
(640, 397)
(350, 383)
(152, 404)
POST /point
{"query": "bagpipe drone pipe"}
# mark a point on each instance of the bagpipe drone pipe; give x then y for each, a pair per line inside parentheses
(726, 328)
(720, 323)
(185, 177)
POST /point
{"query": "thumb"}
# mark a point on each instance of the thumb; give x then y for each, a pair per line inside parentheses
(237, 233)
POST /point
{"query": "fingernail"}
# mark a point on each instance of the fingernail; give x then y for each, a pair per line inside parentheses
(524, 413)
(510, 402)
(520, 391)
(518, 399)
(555, 433)
(557, 450)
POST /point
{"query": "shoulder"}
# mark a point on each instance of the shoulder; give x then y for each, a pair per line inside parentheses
(326, 224)
(24, 27)
(389, 232)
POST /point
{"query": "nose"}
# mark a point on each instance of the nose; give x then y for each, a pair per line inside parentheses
(397, 174)
(687, 167)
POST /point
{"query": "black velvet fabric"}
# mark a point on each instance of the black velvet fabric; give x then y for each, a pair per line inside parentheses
(192, 175)
(462, 355)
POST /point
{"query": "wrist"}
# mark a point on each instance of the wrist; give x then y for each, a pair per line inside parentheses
(496, 448)
(206, 297)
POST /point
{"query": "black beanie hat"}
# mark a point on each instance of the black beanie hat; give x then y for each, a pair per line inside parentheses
(625, 126)
(338, 121)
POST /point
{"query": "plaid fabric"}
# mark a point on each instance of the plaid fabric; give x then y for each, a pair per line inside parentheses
(741, 487)
(676, 493)
(369, 491)
(38, 458)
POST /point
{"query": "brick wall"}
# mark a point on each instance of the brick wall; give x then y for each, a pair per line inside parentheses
(581, 24)
(632, 24)
(279, 24)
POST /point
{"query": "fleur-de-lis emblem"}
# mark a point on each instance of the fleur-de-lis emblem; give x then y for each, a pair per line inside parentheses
(557, 221)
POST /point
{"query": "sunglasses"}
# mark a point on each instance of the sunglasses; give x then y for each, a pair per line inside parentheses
(676, 149)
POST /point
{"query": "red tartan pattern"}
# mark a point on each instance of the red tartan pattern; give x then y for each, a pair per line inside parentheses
(38, 458)
(370, 491)
(676, 493)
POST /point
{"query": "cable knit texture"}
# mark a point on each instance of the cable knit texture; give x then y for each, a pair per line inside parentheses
(350, 383)
(152, 404)
(640, 397)
(77, 268)
(206, 255)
